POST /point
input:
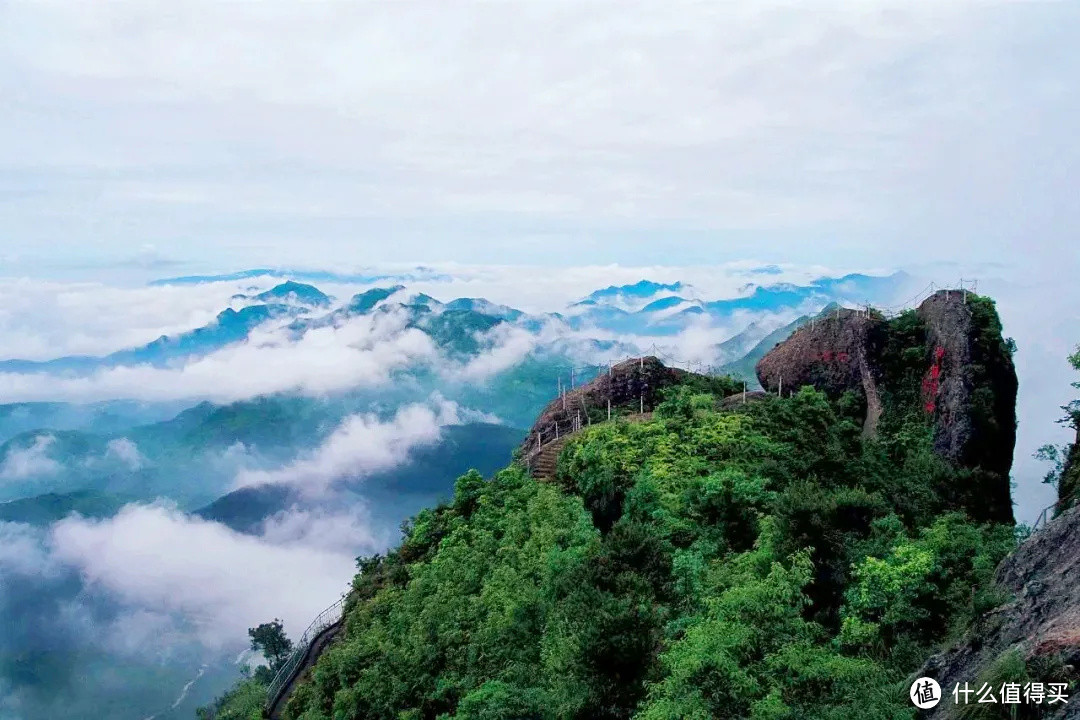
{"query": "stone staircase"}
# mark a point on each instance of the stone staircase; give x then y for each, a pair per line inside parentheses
(542, 464)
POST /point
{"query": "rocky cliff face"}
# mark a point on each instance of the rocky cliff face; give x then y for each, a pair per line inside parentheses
(630, 386)
(1038, 625)
(946, 363)
(835, 354)
(971, 388)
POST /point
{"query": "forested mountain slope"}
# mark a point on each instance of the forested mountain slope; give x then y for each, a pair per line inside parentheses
(720, 560)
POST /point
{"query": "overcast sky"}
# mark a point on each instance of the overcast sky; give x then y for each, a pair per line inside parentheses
(225, 135)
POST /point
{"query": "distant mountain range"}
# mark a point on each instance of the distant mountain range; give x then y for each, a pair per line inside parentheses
(358, 278)
(177, 444)
(661, 309)
(457, 326)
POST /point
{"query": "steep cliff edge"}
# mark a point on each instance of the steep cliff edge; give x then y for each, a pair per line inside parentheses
(1035, 635)
(971, 388)
(944, 368)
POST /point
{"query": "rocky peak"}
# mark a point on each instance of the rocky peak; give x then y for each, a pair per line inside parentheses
(947, 361)
(630, 386)
(835, 352)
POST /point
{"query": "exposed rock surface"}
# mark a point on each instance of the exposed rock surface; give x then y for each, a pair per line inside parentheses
(1041, 619)
(834, 353)
(631, 386)
(966, 371)
(949, 362)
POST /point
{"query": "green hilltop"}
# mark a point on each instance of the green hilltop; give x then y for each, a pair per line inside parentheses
(717, 559)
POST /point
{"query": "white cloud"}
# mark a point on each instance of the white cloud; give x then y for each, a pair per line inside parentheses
(22, 552)
(31, 461)
(156, 558)
(41, 320)
(347, 531)
(506, 346)
(125, 451)
(361, 352)
(360, 446)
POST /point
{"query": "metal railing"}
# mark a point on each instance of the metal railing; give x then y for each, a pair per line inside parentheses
(1049, 513)
(323, 620)
(580, 417)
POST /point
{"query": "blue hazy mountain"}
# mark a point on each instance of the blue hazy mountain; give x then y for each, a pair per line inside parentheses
(49, 507)
(294, 293)
(366, 301)
(653, 308)
(643, 308)
(639, 290)
(485, 307)
(109, 416)
(230, 326)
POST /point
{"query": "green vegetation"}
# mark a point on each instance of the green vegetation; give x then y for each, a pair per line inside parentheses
(980, 430)
(1068, 469)
(760, 563)
(270, 640)
(243, 702)
(247, 699)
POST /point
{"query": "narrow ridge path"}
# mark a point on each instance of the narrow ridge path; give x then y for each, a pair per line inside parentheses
(542, 463)
(314, 650)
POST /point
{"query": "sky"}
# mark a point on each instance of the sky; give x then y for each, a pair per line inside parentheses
(152, 136)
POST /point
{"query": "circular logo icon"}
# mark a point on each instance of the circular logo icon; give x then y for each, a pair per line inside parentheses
(925, 693)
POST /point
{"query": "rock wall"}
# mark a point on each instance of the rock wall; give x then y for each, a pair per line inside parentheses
(964, 364)
(834, 354)
(628, 383)
(966, 382)
(970, 391)
(1041, 619)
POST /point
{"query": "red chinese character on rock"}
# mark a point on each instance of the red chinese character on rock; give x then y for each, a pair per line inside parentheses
(932, 381)
(842, 357)
(827, 356)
